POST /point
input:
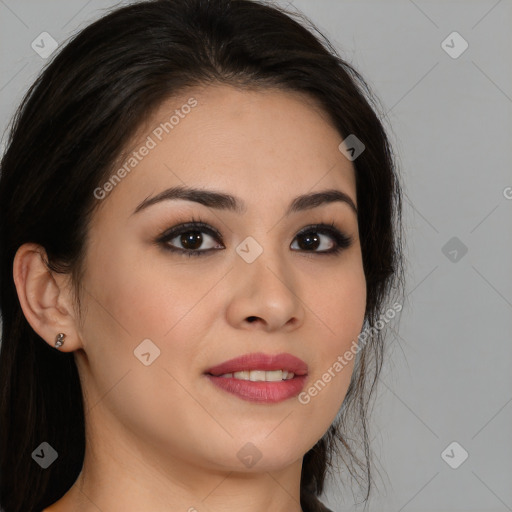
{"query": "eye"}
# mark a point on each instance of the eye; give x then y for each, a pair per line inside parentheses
(311, 238)
(190, 236)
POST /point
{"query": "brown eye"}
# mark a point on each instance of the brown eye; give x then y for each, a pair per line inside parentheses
(310, 239)
(190, 239)
(193, 238)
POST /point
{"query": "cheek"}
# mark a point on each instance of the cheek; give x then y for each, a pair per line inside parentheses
(140, 299)
(131, 301)
(339, 308)
(338, 303)
(127, 303)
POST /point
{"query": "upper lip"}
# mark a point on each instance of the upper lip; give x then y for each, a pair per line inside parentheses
(260, 361)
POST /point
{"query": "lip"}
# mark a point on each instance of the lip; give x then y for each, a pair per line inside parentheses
(260, 392)
(261, 361)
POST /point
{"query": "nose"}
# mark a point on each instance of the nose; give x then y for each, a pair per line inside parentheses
(265, 294)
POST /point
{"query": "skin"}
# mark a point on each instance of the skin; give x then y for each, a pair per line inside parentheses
(162, 437)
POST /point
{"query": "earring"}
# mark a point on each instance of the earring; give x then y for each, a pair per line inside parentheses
(59, 340)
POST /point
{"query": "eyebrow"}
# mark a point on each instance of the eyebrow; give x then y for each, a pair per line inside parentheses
(224, 201)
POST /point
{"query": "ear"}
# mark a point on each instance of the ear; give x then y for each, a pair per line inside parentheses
(45, 297)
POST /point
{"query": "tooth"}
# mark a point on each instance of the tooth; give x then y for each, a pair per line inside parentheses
(261, 375)
(256, 375)
(274, 376)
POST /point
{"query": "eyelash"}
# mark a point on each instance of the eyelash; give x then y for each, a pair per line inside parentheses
(341, 240)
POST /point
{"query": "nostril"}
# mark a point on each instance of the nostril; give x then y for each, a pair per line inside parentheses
(252, 319)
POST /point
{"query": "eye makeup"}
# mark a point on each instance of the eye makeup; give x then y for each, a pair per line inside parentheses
(196, 226)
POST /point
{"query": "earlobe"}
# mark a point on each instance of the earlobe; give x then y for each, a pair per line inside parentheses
(43, 299)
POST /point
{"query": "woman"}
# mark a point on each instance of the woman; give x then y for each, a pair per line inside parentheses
(200, 215)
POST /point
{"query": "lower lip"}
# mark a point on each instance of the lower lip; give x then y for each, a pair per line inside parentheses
(259, 391)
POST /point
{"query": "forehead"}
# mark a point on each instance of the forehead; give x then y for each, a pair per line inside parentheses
(252, 143)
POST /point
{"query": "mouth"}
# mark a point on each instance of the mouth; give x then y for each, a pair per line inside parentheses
(260, 377)
(261, 367)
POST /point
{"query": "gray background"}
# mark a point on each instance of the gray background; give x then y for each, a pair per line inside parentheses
(447, 377)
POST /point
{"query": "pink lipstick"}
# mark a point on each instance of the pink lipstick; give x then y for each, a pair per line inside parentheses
(261, 378)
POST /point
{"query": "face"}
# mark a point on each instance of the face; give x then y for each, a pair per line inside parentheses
(261, 279)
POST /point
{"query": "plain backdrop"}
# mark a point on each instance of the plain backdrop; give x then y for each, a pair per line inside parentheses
(446, 387)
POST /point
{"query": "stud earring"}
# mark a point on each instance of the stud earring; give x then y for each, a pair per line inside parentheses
(59, 340)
